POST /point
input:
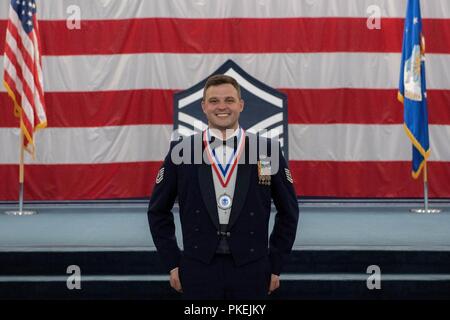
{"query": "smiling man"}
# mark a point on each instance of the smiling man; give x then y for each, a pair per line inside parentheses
(225, 204)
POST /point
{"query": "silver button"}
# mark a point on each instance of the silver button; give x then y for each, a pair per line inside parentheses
(252, 213)
(252, 250)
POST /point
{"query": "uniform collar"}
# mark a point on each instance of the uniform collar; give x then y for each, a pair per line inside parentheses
(216, 134)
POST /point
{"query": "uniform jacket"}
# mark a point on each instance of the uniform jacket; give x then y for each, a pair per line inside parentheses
(190, 180)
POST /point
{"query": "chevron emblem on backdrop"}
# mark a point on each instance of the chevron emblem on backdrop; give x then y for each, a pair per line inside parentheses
(265, 108)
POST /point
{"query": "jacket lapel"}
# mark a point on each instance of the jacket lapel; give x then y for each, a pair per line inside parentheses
(240, 190)
(206, 186)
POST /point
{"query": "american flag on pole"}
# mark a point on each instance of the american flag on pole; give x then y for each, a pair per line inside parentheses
(23, 69)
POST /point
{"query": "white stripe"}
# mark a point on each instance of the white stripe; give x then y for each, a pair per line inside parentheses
(439, 142)
(200, 125)
(306, 142)
(185, 131)
(349, 142)
(181, 71)
(255, 90)
(191, 98)
(123, 9)
(91, 145)
(266, 123)
(275, 132)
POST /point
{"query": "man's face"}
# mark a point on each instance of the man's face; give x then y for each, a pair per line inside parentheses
(222, 106)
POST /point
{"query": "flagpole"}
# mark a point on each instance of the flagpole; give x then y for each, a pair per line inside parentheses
(21, 212)
(426, 208)
(21, 173)
(425, 185)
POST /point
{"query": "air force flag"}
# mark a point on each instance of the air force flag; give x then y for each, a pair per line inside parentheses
(412, 87)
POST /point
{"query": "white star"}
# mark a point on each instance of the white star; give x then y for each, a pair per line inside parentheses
(23, 12)
(23, 3)
(415, 20)
(17, 2)
(29, 23)
(30, 14)
(30, 4)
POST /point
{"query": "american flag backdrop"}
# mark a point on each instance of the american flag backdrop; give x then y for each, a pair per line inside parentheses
(109, 91)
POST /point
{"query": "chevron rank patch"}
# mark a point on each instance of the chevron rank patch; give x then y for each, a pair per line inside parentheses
(288, 175)
(160, 175)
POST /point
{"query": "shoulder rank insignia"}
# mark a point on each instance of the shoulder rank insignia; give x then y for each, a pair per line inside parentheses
(160, 175)
(264, 172)
(288, 175)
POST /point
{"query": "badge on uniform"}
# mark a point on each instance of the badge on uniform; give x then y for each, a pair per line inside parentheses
(160, 175)
(288, 175)
(264, 172)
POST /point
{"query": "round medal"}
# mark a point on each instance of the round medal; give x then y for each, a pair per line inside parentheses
(224, 202)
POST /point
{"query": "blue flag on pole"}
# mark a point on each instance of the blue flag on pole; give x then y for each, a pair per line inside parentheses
(412, 87)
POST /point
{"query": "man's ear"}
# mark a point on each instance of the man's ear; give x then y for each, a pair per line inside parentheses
(203, 106)
(242, 105)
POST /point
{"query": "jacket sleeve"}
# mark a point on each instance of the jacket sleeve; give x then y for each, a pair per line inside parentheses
(160, 216)
(285, 227)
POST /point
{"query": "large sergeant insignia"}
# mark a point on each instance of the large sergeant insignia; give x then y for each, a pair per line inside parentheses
(265, 109)
(160, 175)
(288, 175)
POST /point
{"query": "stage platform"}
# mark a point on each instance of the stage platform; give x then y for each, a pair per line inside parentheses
(336, 242)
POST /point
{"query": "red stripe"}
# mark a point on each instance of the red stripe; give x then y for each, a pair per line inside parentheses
(305, 106)
(239, 35)
(367, 179)
(3, 26)
(70, 182)
(359, 106)
(101, 108)
(135, 180)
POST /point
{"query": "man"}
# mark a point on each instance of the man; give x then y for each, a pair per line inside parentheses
(224, 199)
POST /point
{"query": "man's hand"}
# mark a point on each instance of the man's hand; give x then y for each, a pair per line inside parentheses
(175, 280)
(274, 283)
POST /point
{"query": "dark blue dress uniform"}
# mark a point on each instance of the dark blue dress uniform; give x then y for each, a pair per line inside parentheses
(205, 274)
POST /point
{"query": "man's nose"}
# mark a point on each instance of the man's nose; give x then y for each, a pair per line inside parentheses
(221, 105)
